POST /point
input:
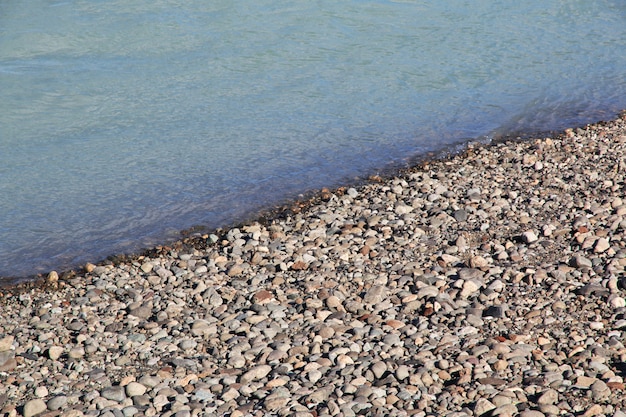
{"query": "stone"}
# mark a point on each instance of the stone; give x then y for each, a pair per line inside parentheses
(599, 390)
(378, 369)
(460, 215)
(531, 413)
(6, 343)
(483, 406)
(52, 278)
(375, 295)
(55, 352)
(319, 396)
(135, 388)
(144, 311)
(56, 403)
(469, 288)
(41, 391)
(529, 236)
(34, 407)
(114, 393)
(550, 396)
(255, 373)
(580, 261)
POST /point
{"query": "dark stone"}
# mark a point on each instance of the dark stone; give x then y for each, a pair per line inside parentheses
(494, 311)
(460, 215)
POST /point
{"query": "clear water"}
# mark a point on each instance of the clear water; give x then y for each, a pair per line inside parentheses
(122, 123)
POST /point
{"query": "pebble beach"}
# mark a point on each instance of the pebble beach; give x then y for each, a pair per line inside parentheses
(490, 283)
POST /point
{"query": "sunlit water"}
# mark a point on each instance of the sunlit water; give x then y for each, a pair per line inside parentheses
(122, 123)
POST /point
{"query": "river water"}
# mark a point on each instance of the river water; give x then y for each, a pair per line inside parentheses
(124, 122)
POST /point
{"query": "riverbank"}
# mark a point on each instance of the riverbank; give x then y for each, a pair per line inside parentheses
(491, 283)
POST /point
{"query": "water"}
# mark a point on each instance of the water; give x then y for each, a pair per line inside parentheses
(122, 123)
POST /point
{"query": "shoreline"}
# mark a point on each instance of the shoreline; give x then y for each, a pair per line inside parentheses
(192, 237)
(491, 282)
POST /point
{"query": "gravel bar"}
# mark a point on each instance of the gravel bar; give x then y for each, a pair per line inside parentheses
(486, 284)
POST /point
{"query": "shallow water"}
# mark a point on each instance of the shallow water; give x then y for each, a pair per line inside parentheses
(122, 123)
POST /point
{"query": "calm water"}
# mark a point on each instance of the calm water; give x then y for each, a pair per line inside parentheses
(123, 122)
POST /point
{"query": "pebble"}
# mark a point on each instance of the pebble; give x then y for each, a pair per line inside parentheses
(34, 407)
(56, 403)
(548, 397)
(135, 388)
(426, 294)
(55, 352)
(114, 393)
(255, 373)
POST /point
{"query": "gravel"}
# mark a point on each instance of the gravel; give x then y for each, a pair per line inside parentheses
(489, 283)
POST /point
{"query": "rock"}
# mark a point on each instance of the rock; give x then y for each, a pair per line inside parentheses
(601, 245)
(548, 397)
(599, 390)
(469, 288)
(378, 369)
(580, 261)
(531, 413)
(114, 393)
(319, 396)
(76, 352)
(494, 311)
(34, 407)
(255, 373)
(8, 365)
(474, 274)
(55, 352)
(6, 356)
(483, 406)
(460, 215)
(41, 391)
(529, 237)
(144, 311)
(56, 403)
(52, 278)
(375, 295)
(478, 262)
(6, 343)
(135, 388)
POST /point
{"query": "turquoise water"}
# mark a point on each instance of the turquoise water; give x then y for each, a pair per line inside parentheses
(122, 123)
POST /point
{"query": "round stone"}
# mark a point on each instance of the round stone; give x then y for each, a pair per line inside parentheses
(34, 407)
(135, 388)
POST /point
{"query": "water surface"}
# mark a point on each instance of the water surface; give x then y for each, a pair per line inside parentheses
(122, 123)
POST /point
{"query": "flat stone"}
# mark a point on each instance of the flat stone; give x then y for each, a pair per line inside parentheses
(580, 261)
(114, 393)
(255, 373)
(319, 396)
(531, 413)
(6, 343)
(57, 402)
(548, 397)
(6, 355)
(469, 288)
(468, 274)
(584, 382)
(143, 312)
(601, 245)
(483, 406)
(460, 215)
(494, 311)
(8, 365)
(378, 369)
(375, 295)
